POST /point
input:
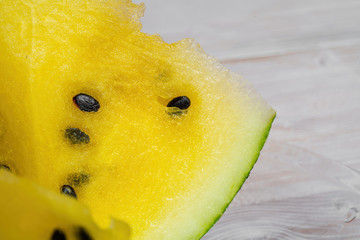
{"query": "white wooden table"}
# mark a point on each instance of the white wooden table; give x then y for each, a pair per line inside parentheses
(303, 56)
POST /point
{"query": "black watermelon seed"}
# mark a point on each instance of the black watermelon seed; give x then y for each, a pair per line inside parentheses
(181, 102)
(58, 235)
(78, 179)
(68, 190)
(5, 167)
(86, 103)
(82, 234)
(76, 136)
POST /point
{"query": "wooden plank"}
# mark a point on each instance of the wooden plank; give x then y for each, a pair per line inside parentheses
(238, 29)
(317, 96)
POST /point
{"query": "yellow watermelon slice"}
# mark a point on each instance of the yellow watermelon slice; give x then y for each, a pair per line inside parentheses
(31, 212)
(159, 135)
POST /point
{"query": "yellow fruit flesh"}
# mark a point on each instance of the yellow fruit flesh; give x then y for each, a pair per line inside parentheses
(32, 213)
(145, 166)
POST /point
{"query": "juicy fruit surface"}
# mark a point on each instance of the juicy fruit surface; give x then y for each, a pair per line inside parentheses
(31, 212)
(168, 172)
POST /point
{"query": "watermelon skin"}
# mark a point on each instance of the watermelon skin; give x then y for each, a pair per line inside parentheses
(170, 176)
(240, 184)
(31, 212)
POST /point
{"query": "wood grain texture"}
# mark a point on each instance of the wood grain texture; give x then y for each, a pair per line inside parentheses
(304, 58)
(233, 29)
(293, 194)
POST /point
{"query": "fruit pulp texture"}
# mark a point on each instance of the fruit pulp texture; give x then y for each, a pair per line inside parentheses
(145, 164)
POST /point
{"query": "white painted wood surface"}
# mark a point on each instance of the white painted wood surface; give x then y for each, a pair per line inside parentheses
(303, 56)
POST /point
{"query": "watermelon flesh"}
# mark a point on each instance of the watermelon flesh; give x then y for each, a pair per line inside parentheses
(168, 172)
(29, 211)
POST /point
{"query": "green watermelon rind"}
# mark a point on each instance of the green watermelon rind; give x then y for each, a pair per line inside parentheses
(240, 184)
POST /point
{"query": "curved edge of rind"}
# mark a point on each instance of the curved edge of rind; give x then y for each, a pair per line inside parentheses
(261, 145)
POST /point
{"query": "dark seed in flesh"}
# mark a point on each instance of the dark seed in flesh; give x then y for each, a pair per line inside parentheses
(82, 234)
(181, 102)
(5, 167)
(68, 190)
(78, 179)
(58, 235)
(76, 136)
(86, 103)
